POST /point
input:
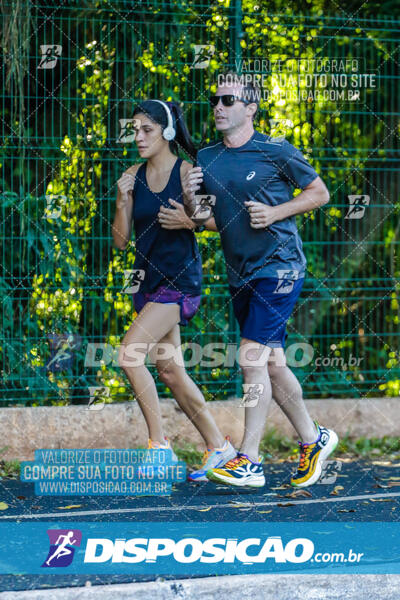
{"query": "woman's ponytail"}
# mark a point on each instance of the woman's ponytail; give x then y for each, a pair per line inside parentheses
(183, 140)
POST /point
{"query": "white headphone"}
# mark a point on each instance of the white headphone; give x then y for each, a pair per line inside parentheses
(169, 132)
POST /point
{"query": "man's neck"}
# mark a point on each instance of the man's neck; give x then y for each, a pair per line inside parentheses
(238, 138)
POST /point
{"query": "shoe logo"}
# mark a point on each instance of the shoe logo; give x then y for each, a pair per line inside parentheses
(324, 438)
(250, 175)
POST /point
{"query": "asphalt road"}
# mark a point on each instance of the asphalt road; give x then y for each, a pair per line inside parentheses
(360, 492)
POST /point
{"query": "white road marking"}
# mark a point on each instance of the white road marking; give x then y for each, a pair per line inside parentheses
(191, 507)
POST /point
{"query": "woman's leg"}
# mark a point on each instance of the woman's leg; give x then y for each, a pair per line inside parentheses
(152, 323)
(172, 372)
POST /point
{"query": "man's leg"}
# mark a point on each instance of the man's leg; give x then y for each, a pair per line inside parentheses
(245, 469)
(253, 360)
(317, 442)
(287, 393)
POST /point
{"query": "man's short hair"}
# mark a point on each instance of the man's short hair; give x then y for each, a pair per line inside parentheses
(251, 93)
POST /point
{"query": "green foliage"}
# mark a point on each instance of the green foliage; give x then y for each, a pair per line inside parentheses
(188, 453)
(64, 275)
(9, 469)
(369, 447)
(275, 445)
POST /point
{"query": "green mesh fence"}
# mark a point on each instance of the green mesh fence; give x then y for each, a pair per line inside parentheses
(71, 76)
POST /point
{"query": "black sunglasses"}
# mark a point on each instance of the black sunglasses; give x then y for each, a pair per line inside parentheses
(226, 99)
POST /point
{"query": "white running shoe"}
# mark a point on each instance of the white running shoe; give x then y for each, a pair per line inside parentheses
(213, 459)
(167, 446)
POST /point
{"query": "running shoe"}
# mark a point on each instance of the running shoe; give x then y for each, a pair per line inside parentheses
(167, 446)
(312, 457)
(213, 458)
(240, 471)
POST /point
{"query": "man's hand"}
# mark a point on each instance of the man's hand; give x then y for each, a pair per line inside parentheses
(191, 183)
(174, 218)
(261, 215)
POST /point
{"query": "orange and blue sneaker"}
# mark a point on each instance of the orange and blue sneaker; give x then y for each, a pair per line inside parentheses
(240, 471)
(167, 446)
(213, 458)
(312, 457)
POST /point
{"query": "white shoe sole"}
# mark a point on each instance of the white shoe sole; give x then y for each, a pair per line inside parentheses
(252, 481)
(198, 479)
(325, 452)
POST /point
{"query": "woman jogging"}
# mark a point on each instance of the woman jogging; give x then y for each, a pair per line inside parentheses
(168, 269)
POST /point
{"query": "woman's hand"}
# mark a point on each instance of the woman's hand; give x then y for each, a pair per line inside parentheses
(174, 218)
(261, 215)
(125, 187)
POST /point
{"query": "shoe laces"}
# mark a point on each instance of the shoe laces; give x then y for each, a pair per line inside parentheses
(304, 456)
(157, 446)
(238, 461)
(206, 455)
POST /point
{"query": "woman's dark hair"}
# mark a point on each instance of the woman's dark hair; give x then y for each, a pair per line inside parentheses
(157, 113)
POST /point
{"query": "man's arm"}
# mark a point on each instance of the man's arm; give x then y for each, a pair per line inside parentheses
(314, 195)
(191, 183)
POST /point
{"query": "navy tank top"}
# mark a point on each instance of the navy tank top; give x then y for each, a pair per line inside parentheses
(168, 257)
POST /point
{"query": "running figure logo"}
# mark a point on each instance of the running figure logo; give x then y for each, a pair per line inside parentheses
(62, 346)
(62, 547)
(251, 394)
(357, 206)
(202, 55)
(286, 279)
(203, 206)
(50, 56)
(129, 129)
(54, 204)
(132, 280)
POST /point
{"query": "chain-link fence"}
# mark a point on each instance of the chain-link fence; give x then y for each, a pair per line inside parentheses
(70, 78)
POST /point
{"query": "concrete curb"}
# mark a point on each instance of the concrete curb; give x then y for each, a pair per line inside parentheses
(121, 425)
(234, 587)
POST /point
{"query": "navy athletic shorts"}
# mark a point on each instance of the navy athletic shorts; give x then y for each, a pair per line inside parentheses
(263, 307)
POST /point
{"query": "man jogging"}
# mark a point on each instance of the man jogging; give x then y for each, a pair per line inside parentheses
(252, 177)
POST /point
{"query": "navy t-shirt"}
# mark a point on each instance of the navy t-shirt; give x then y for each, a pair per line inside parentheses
(263, 170)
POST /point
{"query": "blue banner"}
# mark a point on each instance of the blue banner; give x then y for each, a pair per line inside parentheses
(183, 548)
(103, 472)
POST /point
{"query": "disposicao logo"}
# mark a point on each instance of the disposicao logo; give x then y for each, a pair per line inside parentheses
(62, 547)
(190, 550)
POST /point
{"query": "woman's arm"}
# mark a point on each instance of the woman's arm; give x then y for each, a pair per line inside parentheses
(210, 224)
(122, 226)
(176, 216)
